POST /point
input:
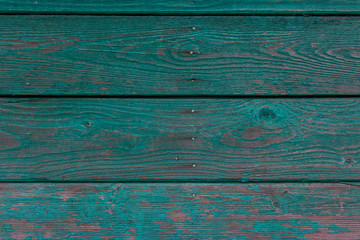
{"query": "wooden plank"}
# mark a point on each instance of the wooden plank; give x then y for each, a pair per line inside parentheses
(139, 55)
(181, 7)
(179, 211)
(179, 139)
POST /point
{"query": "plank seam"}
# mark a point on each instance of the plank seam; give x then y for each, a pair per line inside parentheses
(348, 182)
(195, 14)
(183, 96)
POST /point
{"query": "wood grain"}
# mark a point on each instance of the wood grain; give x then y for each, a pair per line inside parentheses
(179, 211)
(181, 7)
(179, 139)
(162, 55)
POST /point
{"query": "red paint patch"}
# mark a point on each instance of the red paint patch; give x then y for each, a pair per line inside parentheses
(256, 132)
(8, 141)
(178, 216)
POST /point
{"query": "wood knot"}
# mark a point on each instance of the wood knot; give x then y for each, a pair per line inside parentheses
(275, 203)
(266, 114)
(349, 160)
(88, 124)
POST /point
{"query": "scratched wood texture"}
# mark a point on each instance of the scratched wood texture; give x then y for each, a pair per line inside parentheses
(179, 211)
(181, 7)
(179, 55)
(101, 139)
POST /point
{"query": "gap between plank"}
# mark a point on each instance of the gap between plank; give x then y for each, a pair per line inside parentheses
(183, 96)
(187, 14)
(348, 182)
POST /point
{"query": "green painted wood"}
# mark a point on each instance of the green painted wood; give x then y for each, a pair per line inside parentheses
(179, 139)
(179, 211)
(139, 55)
(182, 7)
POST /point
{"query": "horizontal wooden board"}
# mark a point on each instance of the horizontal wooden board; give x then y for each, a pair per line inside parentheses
(140, 55)
(179, 211)
(182, 7)
(179, 139)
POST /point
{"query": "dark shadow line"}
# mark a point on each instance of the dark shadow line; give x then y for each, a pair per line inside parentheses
(192, 14)
(220, 181)
(185, 96)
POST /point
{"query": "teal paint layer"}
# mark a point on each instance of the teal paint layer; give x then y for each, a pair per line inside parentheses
(99, 55)
(181, 7)
(179, 139)
(176, 211)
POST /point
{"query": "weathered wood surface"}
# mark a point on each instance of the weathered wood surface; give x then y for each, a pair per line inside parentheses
(180, 211)
(139, 55)
(179, 139)
(182, 7)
